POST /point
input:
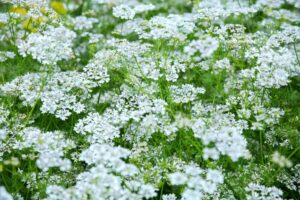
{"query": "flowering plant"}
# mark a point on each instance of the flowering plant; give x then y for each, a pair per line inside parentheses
(147, 99)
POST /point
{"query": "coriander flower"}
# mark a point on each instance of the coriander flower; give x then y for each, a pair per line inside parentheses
(123, 12)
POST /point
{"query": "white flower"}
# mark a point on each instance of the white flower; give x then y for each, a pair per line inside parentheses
(147, 191)
(96, 73)
(196, 183)
(49, 47)
(4, 113)
(215, 176)
(100, 129)
(225, 133)
(123, 12)
(30, 3)
(110, 178)
(281, 160)
(57, 95)
(4, 195)
(170, 27)
(221, 65)
(143, 8)
(190, 194)
(83, 23)
(4, 55)
(178, 178)
(169, 197)
(257, 191)
(49, 145)
(206, 47)
(211, 153)
(185, 93)
(4, 18)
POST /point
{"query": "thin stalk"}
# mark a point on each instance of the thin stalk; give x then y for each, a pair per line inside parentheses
(261, 146)
(161, 192)
(298, 60)
(34, 104)
(295, 151)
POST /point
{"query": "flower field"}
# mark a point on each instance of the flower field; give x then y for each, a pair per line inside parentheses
(149, 99)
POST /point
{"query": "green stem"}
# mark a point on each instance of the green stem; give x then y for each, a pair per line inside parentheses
(161, 192)
(4, 180)
(295, 151)
(261, 146)
(34, 105)
(296, 54)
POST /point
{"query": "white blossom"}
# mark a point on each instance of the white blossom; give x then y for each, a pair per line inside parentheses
(49, 47)
(123, 12)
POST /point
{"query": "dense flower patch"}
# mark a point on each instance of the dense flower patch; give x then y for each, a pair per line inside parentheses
(149, 99)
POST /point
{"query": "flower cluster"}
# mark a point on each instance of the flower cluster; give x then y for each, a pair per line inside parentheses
(4, 194)
(50, 46)
(49, 145)
(83, 23)
(226, 134)
(199, 183)
(6, 55)
(170, 27)
(148, 99)
(105, 179)
(123, 12)
(257, 191)
(102, 131)
(185, 93)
